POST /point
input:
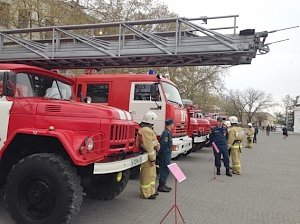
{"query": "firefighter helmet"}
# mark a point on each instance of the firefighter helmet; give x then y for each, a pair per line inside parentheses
(233, 120)
(149, 117)
(249, 124)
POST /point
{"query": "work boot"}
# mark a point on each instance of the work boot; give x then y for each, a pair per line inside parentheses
(228, 173)
(156, 193)
(169, 188)
(218, 171)
(152, 197)
(162, 188)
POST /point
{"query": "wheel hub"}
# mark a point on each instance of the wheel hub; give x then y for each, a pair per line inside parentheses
(36, 197)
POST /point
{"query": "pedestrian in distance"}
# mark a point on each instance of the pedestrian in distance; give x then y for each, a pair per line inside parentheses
(148, 142)
(250, 135)
(255, 134)
(218, 136)
(165, 152)
(268, 128)
(235, 139)
(285, 132)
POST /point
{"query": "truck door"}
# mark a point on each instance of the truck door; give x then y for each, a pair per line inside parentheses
(145, 96)
(5, 107)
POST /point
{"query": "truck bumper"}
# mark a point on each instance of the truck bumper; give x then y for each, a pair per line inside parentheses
(117, 166)
(199, 139)
(181, 146)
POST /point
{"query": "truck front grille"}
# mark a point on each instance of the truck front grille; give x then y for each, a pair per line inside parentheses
(180, 129)
(121, 136)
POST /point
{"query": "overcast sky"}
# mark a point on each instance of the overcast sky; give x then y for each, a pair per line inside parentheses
(277, 72)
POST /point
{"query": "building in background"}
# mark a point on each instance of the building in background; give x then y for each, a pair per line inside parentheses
(261, 119)
(297, 119)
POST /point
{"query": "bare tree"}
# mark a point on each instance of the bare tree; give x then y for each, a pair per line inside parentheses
(249, 101)
(199, 84)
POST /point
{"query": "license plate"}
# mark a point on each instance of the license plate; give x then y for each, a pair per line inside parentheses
(136, 161)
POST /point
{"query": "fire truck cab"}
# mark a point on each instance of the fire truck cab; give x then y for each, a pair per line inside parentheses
(53, 148)
(139, 93)
(199, 127)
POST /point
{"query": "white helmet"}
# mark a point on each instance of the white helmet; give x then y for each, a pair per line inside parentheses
(233, 120)
(149, 117)
(227, 123)
(249, 124)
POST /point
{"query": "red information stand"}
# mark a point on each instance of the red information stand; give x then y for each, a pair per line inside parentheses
(179, 177)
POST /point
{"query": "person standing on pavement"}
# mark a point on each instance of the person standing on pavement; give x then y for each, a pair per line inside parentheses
(218, 136)
(285, 132)
(250, 135)
(148, 142)
(255, 134)
(268, 128)
(235, 138)
(165, 152)
(228, 125)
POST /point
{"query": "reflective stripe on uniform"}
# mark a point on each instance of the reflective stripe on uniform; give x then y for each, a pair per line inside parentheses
(146, 186)
(235, 147)
(236, 165)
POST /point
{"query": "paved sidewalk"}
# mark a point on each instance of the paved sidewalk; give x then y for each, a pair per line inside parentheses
(268, 191)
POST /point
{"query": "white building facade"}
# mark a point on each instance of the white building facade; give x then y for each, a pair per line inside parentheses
(297, 119)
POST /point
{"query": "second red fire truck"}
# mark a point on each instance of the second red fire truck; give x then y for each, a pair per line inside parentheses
(139, 93)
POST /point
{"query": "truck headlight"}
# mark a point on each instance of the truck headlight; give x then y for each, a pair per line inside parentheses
(89, 142)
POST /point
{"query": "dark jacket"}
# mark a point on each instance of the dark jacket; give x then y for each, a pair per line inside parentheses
(166, 142)
(218, 136)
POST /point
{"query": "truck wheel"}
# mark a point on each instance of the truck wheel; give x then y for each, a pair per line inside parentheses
(43, 189)
(107, 186)
(195, 147)
(188, 152)
(134, 172)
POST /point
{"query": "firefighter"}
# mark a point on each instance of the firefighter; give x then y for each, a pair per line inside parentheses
(218, 136)
(250, 136)
(235, 138)
(165, 156)
(228, 125)
(149, 143)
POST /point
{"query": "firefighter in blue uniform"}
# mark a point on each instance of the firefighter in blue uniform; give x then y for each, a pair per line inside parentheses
(218, 136)
(165, 156)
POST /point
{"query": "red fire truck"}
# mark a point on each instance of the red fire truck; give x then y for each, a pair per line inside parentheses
(139, 93)
(53, 148)
(199, 127)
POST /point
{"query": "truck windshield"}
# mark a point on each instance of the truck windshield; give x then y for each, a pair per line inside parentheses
(25, 84)
(172, 93)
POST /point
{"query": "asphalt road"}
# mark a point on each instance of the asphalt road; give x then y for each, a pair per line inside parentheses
(267, 192)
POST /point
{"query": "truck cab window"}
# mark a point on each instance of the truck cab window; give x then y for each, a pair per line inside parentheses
(35, 85)
(20, 85)
(98, 92)
(142, 92)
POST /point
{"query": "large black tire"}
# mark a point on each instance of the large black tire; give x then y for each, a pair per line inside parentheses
(43, 189)
(188, 152)
(107, 186)
(134, 172)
